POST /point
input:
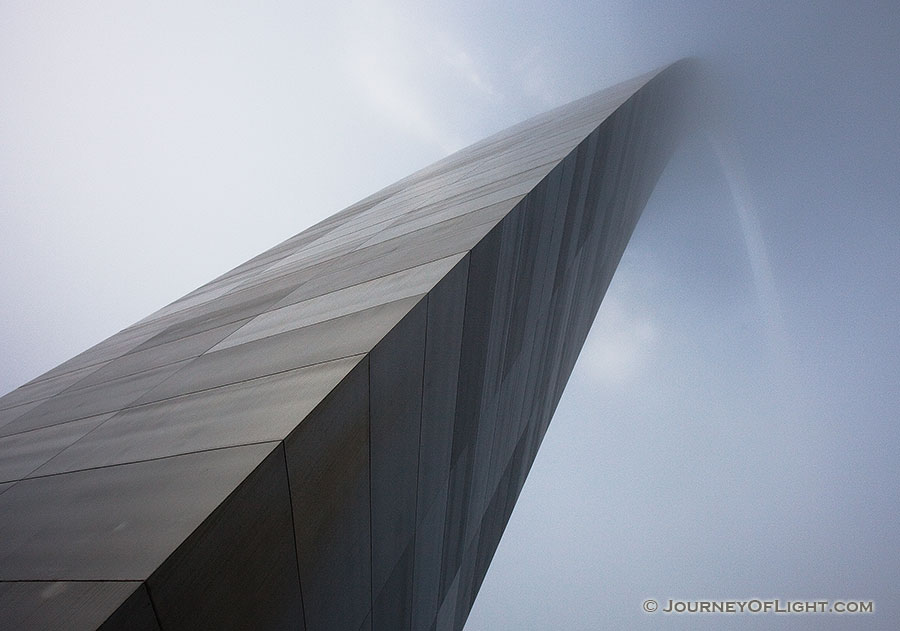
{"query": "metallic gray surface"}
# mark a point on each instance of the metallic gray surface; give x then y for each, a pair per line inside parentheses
(115, 523)
(328, 467)
(62, 605)
(332, 435)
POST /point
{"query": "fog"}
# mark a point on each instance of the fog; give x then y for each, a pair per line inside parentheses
(730, 431)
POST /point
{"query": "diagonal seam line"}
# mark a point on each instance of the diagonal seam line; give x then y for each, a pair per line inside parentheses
(185, 394)
(287, 473)
(154, 459)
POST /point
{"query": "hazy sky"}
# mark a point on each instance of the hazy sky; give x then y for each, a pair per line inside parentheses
(731, 430)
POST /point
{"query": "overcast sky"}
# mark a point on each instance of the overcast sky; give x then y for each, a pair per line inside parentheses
(731, 430)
